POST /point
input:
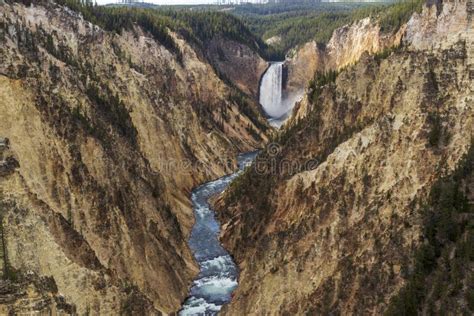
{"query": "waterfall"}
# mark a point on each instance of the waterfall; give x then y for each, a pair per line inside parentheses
(270, 91)
(277, 106)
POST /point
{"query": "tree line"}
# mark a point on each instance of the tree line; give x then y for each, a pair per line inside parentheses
(302, 22)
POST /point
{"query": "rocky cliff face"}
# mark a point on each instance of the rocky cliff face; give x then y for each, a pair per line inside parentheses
(345, 47)
(108, 133)
(240, 64)
(328, 219)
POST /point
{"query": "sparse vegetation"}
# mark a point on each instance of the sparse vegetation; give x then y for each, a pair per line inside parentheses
(436, 131)
(8, 272)
(113, 109)
(441, 268)
(319, 80)
(437, 134)
(61, 52)
(245, 107)
(385, 53)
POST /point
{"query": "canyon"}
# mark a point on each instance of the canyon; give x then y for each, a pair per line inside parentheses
(108, 134)
(108, 141)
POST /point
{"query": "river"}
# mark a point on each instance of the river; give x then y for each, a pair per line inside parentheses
(218, 274)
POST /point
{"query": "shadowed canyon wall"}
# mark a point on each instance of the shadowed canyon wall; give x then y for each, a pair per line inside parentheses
(107, 135)
(240, 64)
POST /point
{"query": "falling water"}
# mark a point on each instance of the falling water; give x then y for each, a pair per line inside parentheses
(270, 91)
(218, 274)
(277, 106)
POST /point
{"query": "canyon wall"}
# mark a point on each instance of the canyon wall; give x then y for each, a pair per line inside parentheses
(238, 63)
(328, 219)
(345, 47)
(104, 137)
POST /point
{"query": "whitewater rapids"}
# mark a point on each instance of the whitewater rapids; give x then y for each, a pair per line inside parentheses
(218, 274)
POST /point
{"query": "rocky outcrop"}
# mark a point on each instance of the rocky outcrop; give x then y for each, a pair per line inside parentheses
(345, 47)
(110, 133)
(8, 162)
(32, 295)
(238, 63)
(440, 26)
(328, 219)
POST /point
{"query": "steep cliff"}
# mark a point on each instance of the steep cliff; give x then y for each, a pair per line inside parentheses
(345, 47)
(107, 134)
(238, 63)
(329, 218)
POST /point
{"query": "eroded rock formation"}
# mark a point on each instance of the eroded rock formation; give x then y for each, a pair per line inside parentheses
(110, 133)
(345, 47)
(239, 63)
(328, 220)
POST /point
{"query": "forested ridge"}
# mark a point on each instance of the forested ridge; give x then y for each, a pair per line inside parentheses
(292, 24)
(299, 23)
(197, 27)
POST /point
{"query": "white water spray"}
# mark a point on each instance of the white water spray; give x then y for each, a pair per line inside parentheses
(270, 91)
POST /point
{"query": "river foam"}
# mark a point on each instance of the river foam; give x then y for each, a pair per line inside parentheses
(218, 274)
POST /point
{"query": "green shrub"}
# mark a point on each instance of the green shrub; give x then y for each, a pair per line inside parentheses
(112, 109)
(385, 53)
(319, 80)
(245, 107)
(435, 132)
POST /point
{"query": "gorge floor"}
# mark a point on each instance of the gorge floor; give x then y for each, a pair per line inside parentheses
(218, 274)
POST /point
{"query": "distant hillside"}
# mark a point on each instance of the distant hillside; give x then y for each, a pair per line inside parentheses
(285, 26)
(273, 29)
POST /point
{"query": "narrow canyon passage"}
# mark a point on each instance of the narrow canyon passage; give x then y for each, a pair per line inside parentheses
(354, 123)
(218, 275)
